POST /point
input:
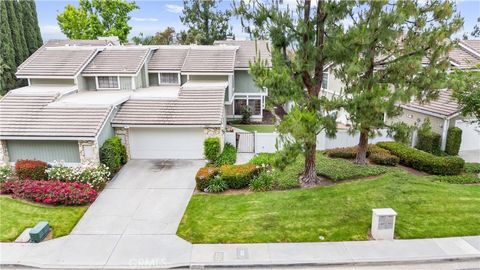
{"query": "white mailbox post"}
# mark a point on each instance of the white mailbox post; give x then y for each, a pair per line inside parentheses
(383, 223)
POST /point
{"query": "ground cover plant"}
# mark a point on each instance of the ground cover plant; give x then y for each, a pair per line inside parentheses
(337, 213)
(17, 215)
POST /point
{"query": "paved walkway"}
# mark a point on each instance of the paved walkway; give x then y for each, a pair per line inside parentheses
(133, 223)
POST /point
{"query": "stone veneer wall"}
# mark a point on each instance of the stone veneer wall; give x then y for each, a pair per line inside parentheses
(124, 136)
(89, 152)
(4, 158)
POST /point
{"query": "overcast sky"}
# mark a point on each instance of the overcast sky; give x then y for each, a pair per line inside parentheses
(156, 15)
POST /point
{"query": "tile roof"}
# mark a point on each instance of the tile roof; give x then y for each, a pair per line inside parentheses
(76, 42)
(56, 62)
(209, 59)
(463, 58)
(474, 44)
(192, 107)
(444, 105)
(168, 58)
(30, 116)
(117, 61)
(248, 51)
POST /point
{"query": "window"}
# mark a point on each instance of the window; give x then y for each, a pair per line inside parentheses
(168, 78)
(325, 80)
(109, 82)
(254, 103)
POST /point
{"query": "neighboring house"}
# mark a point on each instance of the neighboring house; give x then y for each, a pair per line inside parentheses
(163, 101)
(443, 112)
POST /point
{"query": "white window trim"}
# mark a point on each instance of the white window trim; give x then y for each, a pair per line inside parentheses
(179, 78)
(248, 97)
(98, 88)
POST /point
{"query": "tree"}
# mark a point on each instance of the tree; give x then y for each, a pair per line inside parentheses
(297, 76)
(36, 27)
(7, 52)
(476, 29)
(380, 59)
(31, 30)
(205, 21)
(465, 85)
(166, 37)
(16, 32)
(94, 18)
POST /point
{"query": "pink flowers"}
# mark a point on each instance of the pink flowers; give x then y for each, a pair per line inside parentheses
(50, 192)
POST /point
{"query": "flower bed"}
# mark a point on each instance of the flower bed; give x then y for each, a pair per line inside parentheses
(50, 192)
(95, 176)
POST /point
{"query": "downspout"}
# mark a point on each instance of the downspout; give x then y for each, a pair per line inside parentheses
(446, 124)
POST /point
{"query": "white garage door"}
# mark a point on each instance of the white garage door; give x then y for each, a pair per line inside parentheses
(470, 136)
(166, 143)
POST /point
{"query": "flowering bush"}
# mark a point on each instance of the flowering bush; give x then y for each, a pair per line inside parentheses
(31, 169)
(203, 177)
(5, 172)
(95, 176)
(238, 176)
(50, 192)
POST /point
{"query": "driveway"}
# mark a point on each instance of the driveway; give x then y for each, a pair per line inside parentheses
(146, 197)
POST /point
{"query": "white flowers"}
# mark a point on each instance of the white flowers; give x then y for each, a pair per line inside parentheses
(95, 176)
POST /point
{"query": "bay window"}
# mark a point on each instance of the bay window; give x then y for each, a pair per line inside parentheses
(255, 104)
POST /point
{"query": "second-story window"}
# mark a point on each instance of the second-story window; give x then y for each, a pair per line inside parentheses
(107, 82)
(168, 78)
(325, 80)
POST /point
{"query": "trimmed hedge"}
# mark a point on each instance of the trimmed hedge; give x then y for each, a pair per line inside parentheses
(376, 154)
(113, 154)
(458, 179)
(211, 149)
(429, 142)
(31, 169)
(454, 140)
(203, 177)
(342, 152)
(238, 176)
(228, 156)
(424, 161)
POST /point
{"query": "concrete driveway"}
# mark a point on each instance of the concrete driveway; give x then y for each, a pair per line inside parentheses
(146, 197)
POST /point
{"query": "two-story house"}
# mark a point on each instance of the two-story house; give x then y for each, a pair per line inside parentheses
(163, 101)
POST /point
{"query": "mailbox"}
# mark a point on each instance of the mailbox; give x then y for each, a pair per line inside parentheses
(383, 223)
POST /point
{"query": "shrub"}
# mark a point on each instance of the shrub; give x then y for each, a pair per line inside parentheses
(262, 182)
(50, 192)
(401, 132)
(342, 152)
(427, 140)
(384, 159)
(246, 114)
(238, 176)
(203, 177)
(424, 161)
(340, 169)
(95, 176)
(216, 185)
(454, 140)
(113, 154)
(211, 149)
(263, 159)
(228, 156)
(458, 179)
(5, 172)
(31, 169)
(472, 167)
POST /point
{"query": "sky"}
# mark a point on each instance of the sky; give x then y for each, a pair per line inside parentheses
(155, 15)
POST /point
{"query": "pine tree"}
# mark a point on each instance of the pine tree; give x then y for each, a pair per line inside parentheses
(29, 28)
(7, 52)
(23, 42)
(36, 27)
(16, 32)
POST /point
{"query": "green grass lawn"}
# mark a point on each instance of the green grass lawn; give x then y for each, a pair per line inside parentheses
(16, 216)
(257, 128)
(338, 213)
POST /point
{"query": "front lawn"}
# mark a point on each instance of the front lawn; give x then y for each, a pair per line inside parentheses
(257, 128)
(338, 213)
(16, 216)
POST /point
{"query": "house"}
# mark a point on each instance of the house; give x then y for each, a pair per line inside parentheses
(443, 112)
(162, 101)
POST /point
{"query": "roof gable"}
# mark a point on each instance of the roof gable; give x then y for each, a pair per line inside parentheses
(209, 60)
(117, 61)
(248, 51)
(168, 58)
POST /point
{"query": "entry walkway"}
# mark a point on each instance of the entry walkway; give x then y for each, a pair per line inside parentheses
(133, 223)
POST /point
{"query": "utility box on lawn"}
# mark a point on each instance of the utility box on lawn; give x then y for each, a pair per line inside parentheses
(39, 232)
(383, 223)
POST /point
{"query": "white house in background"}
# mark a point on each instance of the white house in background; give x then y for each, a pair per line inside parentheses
(163, 101)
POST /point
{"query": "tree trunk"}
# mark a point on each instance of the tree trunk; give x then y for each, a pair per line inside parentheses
(362, 148)
(309, 176)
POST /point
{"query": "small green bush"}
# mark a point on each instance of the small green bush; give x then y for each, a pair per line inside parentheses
(211, 149)
(31, 169)
(424, 161)
(386, 159)
(263, 159)
(454, 140)
(113, 154)
(216, 185)
(401, 132)
(262, 182)
(228, 156)
(238, 176)
(457, 179)
(246, 114)
(5, 172)
(472, 167)
(203, 177)
(427, 140)
(342, 152)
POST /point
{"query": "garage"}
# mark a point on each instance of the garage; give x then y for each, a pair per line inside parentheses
(166, 143)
